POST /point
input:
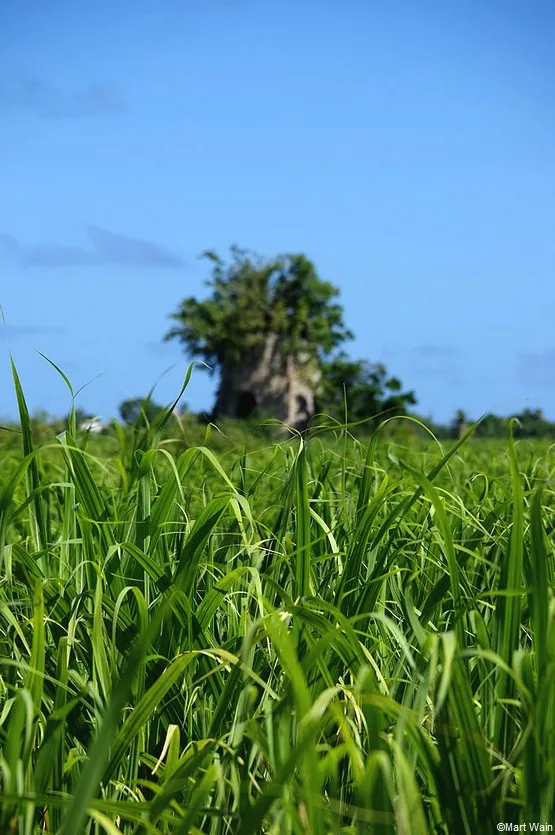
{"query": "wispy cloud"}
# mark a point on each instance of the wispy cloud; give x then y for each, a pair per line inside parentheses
(125, 251)
(106, 249)
(22, 331)
(50, 102)
(536, 369)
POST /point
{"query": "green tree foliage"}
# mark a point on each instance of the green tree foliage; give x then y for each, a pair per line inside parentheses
(363, 388)
(492, 426)
(134, 410)
(251, 297)
(531, 423)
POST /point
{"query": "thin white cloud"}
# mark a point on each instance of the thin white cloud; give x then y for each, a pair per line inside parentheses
(106, 249)
(22, 331)
(50, 102)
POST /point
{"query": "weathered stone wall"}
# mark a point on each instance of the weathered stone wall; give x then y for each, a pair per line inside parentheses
(281, 386)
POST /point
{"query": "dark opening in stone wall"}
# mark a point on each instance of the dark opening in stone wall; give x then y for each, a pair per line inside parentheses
(246, 404)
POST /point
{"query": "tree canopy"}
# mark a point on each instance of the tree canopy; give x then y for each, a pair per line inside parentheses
(252, 297)
(361, 389)
(136, 409)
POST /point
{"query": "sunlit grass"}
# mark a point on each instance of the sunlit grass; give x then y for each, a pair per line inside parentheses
(321, 635)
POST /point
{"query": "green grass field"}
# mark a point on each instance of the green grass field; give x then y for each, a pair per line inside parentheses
(334, 636)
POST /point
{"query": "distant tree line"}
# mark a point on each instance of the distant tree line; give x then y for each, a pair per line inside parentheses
(530, 423)
(368, 392)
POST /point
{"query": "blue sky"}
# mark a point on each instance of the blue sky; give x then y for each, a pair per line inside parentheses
(407, 148)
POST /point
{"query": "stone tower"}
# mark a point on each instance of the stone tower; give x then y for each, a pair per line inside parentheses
(280, 386)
